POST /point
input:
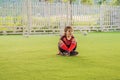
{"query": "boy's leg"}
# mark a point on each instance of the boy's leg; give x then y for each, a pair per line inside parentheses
(62, 48)
(62, 52)
(62, 45)
(73, 53)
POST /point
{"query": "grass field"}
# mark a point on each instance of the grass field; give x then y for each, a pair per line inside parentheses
(35, 58)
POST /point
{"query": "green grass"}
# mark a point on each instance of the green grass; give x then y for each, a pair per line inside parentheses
(35, 58)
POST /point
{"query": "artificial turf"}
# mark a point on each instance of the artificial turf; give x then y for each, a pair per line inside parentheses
(35, 58)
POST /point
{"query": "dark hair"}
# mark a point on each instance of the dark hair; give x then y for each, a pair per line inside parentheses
(68, 27)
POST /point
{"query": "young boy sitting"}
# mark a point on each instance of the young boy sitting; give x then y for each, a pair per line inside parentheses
(67, 44)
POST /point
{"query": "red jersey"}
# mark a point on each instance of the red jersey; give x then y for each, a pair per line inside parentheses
(66, 41)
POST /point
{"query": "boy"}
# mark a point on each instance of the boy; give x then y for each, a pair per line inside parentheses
(67, 44)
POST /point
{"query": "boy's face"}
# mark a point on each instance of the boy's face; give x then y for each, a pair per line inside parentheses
(69, 32)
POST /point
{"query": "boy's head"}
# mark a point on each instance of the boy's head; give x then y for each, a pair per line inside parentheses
(68, 31)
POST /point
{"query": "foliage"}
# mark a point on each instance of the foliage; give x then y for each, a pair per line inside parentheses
(115, 2)
(100, 2)
(11, 21)
(69, 1)
(87, 2)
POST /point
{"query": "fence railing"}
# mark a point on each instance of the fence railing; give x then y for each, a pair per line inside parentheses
(28, 17)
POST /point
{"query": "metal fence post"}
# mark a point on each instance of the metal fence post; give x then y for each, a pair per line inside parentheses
(27, 28)
(101, 17)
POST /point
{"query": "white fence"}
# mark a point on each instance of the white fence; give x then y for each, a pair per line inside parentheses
(27, 17)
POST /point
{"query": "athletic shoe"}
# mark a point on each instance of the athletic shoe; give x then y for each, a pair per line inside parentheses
(73, 53)
(66, 54)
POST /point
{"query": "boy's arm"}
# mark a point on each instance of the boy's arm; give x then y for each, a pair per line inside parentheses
(62, 45)
(73, 45)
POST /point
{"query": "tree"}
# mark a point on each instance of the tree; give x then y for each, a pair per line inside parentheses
(102, 2)
(115, 2)
(87, 2)
(71, 1)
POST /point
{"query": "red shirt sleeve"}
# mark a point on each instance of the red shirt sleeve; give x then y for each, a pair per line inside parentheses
(73, 45)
